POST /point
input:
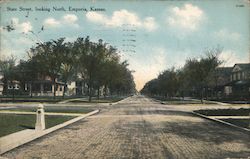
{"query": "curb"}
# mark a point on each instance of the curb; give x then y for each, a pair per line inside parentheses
(222, 122)
(8, 143)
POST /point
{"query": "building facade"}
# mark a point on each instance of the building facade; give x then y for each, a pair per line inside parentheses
(239, 85)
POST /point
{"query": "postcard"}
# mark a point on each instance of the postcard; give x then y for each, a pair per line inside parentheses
(124, 78)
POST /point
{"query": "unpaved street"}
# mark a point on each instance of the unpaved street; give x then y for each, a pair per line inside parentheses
(139, 128)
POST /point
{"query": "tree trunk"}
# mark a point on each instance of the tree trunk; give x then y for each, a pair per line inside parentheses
(90, 94)
(13, 93)
(105, 91)
(90, 91)
(64, 89)
(206, 91)
(201, 96)
(98, 93)
(54, 82)
(31, 90)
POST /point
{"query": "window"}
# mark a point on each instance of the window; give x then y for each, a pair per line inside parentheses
(10, 87)
(234, 76)
(16, 86)
(228, 90)
(26, 87)
(239, 76)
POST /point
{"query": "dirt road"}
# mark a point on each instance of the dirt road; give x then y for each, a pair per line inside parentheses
(139, 128)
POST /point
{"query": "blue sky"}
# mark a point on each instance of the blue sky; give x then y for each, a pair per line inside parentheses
(151, 35)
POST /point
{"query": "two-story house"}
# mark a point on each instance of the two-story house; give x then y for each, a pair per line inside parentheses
(239, 85)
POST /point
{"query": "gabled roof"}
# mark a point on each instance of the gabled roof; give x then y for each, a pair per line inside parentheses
(243, 66)
(224, 70)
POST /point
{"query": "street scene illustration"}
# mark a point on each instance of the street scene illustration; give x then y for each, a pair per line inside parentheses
(124, 79)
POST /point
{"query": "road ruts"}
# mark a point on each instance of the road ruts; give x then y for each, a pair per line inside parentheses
(138, 127)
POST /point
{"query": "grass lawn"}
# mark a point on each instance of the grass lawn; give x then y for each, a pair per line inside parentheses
(101, 100)
(50, 99)
(239, 122)
(54, 109)
(33, 99)
(225, 112)
(178, 101)
(10, 123)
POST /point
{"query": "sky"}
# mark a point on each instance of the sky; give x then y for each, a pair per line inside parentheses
(151, 35)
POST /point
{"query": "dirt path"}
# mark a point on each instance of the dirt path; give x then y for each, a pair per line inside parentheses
(139, 128)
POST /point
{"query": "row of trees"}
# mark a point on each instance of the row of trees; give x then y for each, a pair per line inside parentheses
(96, 63)
(194, 79)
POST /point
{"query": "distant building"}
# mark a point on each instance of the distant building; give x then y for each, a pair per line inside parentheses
(13, 85)
(75, 88)
(239, 85)
(44, 87)
(241, 72)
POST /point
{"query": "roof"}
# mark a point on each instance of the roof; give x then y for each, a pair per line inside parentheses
(238, 83)
(46, 81)
(244, 66)
(224, 69)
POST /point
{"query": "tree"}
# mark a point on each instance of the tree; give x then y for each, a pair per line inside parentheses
(8, 68)
(199, 72)
(49, 56)
(196, 77)
(168, 82)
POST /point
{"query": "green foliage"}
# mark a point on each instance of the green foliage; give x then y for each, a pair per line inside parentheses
(193, 78)
(97, 64)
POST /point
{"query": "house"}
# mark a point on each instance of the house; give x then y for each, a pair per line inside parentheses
(44, 87)
(239, 85)
(75, 88)
(241, 72)
(13, 85)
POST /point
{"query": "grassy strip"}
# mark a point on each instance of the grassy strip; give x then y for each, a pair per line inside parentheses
(245, 123)
(224, 112)
(97, 101)
(11, 123)
(60, 98)
(54, 109)
(178, 101)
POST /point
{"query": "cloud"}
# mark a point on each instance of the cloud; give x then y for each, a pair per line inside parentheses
(230, 58)
(23, 26)
(122, 17)
(17, 46)
(188, 17)
(225, 34)
(68, 19)
(51, 22)
(23, 41)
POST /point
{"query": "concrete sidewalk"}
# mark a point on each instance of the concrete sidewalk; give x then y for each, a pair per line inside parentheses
(19, 138)
(34, 113)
